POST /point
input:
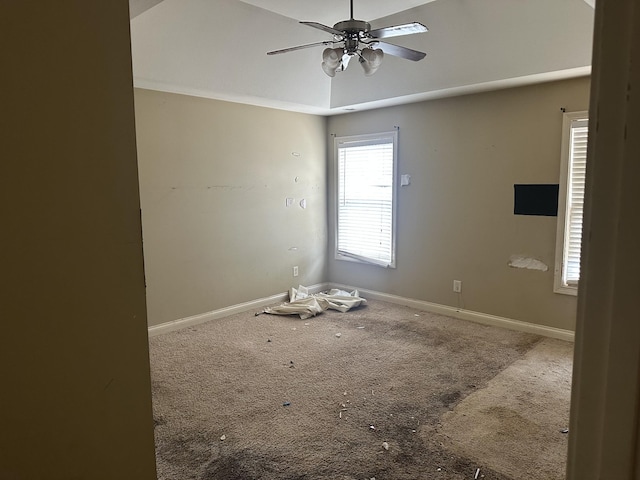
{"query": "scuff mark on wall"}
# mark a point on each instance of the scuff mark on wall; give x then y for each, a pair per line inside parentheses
(230, 187)
(529, 263)
(213, 187)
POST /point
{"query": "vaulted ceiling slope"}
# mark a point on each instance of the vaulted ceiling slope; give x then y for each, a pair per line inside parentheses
(217, 49)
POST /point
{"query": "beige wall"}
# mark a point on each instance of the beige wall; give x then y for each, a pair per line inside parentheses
(214, 178)
(455, 220)
(74, 364)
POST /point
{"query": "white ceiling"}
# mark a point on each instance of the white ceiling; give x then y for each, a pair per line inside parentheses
(330, 12)
(217, 49)
(327, 12)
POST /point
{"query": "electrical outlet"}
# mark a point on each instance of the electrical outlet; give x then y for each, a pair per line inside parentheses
(457, 286)
(295, 271)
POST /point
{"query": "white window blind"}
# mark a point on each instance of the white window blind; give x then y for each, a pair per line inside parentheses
(575, 201)
(574, 166)
(365, 204)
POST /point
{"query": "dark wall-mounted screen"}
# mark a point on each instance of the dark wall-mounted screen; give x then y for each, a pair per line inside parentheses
(538, 199)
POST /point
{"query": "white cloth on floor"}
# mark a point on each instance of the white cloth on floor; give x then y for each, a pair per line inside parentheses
(309, 305)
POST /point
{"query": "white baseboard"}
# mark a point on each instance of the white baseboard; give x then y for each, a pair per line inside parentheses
(483, 318)
(470, 315)
(226, 311)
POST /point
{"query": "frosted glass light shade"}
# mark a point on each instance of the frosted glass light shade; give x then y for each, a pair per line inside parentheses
(371, 60)
(331, 58)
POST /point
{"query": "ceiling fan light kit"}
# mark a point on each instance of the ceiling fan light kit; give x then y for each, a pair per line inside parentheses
(358, 40)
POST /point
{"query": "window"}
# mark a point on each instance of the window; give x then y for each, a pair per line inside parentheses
(570, 203)
(366, 172)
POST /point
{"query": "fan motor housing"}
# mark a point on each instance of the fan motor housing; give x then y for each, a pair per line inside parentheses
(353, 26)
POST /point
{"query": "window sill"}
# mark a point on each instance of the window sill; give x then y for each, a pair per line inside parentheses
(363, 261)
(566, 290)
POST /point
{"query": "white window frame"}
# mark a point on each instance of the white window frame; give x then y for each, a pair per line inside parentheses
(561, 284)
(362, 140)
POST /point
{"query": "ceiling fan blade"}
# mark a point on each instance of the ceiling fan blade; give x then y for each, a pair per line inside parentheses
(324, 28)
(396, 31)
(300, 47)
(398, 51)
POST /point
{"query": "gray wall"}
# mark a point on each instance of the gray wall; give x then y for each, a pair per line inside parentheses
(214, 177)
(74, 362)
(455, 220)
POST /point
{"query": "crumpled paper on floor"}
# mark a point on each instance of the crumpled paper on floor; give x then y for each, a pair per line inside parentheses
(307, 305)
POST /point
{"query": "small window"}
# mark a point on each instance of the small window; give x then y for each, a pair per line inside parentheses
(570, 202)
(366, 171)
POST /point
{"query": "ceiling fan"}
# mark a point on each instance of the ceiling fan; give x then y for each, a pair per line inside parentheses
(358, 40)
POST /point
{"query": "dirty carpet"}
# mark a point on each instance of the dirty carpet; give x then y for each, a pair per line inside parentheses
(382, 391)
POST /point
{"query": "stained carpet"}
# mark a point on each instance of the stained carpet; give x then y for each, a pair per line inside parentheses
(382, 391)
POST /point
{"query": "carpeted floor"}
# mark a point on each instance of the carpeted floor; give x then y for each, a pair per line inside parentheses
(382, 391)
